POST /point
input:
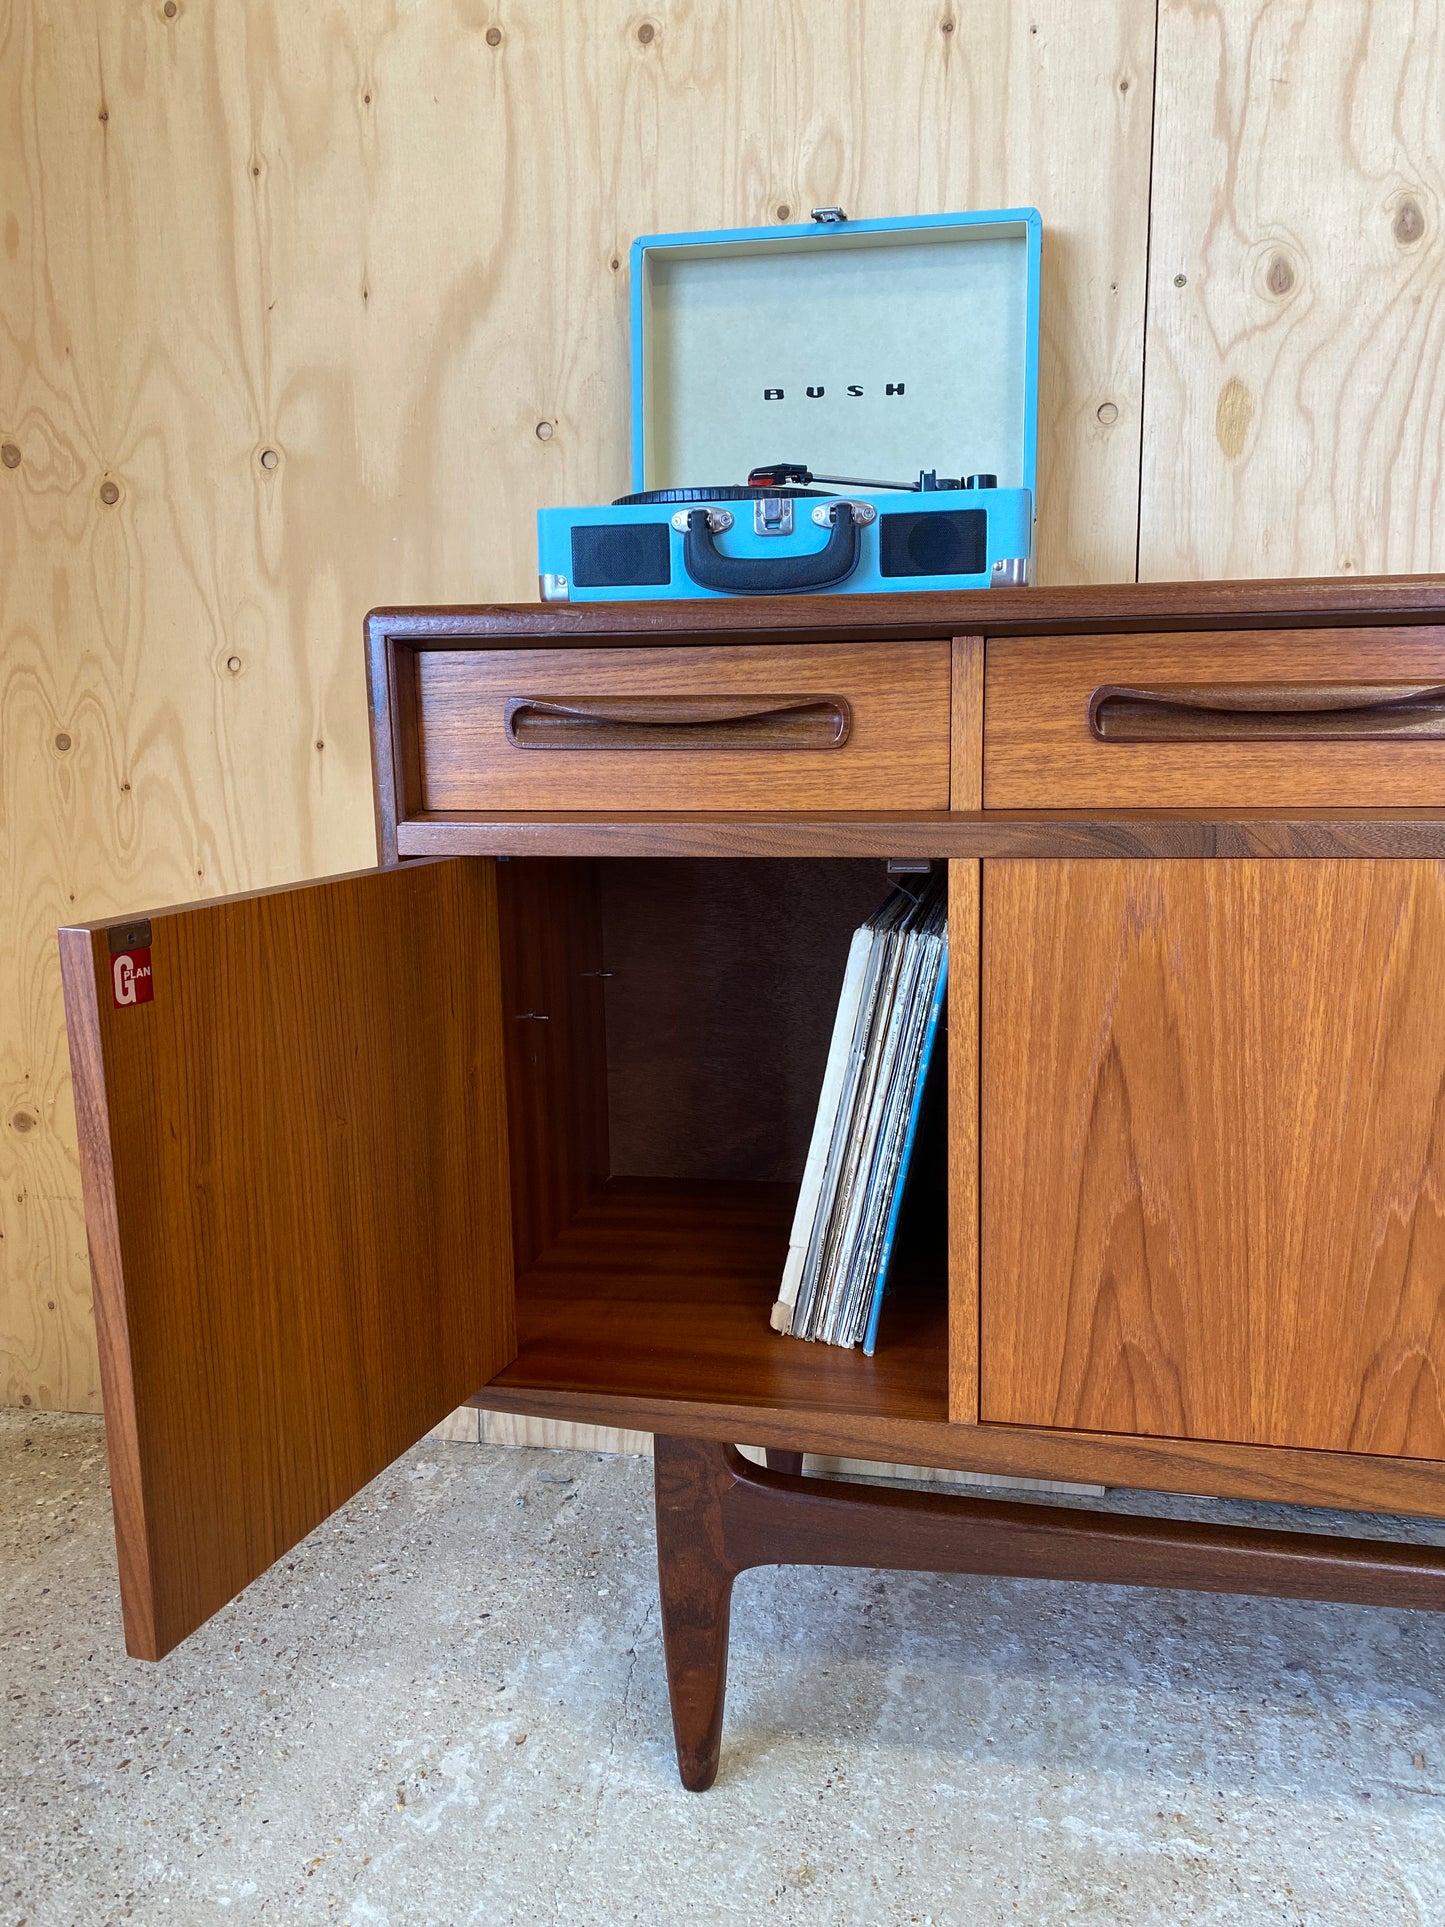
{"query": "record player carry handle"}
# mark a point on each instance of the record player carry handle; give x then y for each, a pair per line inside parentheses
(709, 568)
(677, 722)
(1262, 712)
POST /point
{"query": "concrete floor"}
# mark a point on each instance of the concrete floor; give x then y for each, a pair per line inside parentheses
(448, 1706)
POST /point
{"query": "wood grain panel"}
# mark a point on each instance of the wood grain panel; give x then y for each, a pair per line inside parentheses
(964, 935)
(661, 1289)
(966, 785)
(1278, 1473)
(554, 1029)
(508, 1428)
(461, 1427)
(1295, 419)
(1082, 609)
(505, 1428)
(1097, 835)
(1213, 1183)
(896, 753)
(722, 990)
(296, 1194)
(234, 232)
(1039, 752)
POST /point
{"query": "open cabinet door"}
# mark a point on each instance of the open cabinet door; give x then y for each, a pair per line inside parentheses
(293, 1146)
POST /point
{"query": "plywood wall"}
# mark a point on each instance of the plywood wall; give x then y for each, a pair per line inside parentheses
(1296, 333)
(305, 307)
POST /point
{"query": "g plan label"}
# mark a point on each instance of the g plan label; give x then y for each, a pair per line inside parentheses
(131, 981)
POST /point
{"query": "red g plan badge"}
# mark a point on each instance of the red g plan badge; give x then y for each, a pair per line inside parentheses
(130, 965)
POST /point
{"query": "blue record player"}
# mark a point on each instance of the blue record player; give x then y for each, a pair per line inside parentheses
(872, 354)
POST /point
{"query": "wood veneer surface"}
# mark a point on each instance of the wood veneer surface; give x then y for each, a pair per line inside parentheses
(1039, 752)
(1079, 609)
(964, 901)
(1213, 1169)
(294, 1166)
(1089, 834)
(1282, 1474)
(966, 786)
(555, 1039)
(896, 752)
(722, 988)
(661, 1289)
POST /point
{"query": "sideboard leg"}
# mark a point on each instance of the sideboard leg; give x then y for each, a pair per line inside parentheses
(695, 1581)
(718, 1514)
(781, 1460)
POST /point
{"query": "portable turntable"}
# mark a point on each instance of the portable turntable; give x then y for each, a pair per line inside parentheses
(874, 346)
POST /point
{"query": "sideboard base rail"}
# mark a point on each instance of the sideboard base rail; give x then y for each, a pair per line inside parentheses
(718, 1514)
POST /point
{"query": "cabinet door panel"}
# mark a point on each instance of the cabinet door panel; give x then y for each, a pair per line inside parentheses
(294, 1158)
(1214, 1151)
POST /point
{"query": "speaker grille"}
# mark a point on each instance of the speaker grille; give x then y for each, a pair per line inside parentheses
(621, 555)
(947, 542)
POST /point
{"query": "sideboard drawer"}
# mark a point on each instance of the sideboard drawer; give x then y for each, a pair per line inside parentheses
(1253, 719)
(850, 726)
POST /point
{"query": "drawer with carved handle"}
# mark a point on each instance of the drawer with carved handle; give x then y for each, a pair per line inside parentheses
(1327, 719)
(752, 727)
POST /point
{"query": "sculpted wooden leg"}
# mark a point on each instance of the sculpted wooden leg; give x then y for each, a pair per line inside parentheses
(695, 1581)
(718, 1514)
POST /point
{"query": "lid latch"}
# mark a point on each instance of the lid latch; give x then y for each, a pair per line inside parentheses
(829, 216)
(773, 515)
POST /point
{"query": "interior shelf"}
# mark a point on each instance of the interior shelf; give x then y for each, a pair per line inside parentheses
(660, 1288)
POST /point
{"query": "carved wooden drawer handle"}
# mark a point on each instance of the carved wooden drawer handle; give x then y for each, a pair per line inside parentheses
(678, 722)
(1260, 712)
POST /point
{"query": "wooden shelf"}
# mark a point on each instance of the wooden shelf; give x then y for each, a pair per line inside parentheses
(660, 1289)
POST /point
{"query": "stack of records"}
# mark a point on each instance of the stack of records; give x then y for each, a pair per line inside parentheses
(847, 1217)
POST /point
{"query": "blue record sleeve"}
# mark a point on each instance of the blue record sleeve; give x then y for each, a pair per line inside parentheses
(870, 1336)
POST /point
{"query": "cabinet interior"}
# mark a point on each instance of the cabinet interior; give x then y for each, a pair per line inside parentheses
(666, 1026)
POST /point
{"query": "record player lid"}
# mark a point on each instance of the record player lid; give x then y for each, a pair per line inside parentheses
(862, 347)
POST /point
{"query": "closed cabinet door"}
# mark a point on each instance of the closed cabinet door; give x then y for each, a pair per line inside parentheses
(294, 1153)
(1213, 1156)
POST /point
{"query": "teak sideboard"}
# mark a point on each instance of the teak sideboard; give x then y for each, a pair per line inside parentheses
(518, 1117)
